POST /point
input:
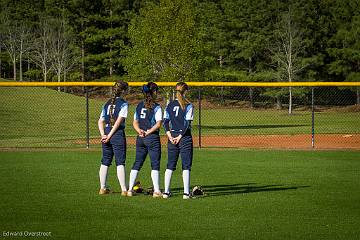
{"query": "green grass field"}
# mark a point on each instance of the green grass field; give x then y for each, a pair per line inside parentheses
(250, 195)
(41, 117)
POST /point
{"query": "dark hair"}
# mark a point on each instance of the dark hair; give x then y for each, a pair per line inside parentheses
(117, 90)
(149, 89)
(181, 87)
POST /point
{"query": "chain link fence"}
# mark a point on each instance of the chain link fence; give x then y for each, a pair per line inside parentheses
(225, 117)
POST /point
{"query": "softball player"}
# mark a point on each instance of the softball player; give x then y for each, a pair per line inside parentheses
(147, 121)
(111, 126)
(177, 123)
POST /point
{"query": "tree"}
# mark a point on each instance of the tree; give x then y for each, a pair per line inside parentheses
(63, 55)
(248, 25)
(211, 20)
(100, 29)
(24, 45)
(41, 47)
(165, 43)
(344, 46)
(17, 18)
(10, 42)
(286, 52)
(2, 39)
(79, 11)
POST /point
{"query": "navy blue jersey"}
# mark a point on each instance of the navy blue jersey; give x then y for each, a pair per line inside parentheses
(176, 119)
(147, 118)
(120, 108)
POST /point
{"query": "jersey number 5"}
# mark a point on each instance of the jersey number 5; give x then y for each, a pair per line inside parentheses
(143, 113)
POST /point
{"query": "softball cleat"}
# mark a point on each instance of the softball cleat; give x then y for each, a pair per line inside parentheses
(130, 193)
(157, 195)
(166, 195)
(104, 191)
(187, 196)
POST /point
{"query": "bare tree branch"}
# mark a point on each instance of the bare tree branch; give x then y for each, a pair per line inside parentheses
(286, 50)
(40, 51)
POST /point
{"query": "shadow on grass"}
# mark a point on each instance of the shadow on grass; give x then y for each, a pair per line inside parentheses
(232, 189)
(254, 126)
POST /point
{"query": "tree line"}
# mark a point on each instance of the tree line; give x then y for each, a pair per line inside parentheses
(172, 40)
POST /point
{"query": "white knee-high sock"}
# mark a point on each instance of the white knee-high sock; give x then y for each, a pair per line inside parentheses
(103, 175)
(133, 176)
(120, 170)
(155, 176)
(186, 181)
(168, 174)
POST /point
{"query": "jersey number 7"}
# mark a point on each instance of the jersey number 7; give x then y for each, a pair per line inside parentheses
(176, 110)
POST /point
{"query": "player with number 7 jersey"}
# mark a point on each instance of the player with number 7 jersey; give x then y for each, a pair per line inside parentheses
(177, 123)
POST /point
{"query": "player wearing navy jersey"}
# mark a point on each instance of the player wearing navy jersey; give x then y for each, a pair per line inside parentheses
(111, 126)
(147, 121)
(177, 123)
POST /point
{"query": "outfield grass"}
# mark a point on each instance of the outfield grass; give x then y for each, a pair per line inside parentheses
(251, 195)
(41, 117)
(260, 121)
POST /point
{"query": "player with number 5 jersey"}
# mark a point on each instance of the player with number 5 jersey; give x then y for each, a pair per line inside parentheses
(177, 123)
(147, 121)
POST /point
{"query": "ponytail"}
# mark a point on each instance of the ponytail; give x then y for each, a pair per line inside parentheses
(149, 94)
(117, 90)
(181, 87)
(149, 101)
(112, 102)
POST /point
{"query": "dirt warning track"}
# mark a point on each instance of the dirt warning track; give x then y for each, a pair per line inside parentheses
(300, 141)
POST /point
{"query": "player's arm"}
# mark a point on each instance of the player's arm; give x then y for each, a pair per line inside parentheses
(177, 139)
(168, 134)
(137, 128)
(189, 116)
(121, 118)
(166, 125)
(183, 130)
(186, 126)
(116, 126)
(154, 128)
(136, 125)
(158, 119)
(101, 124)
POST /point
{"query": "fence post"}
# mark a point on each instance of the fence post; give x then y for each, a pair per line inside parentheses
(199, 124)
(87, 118)
(222, 95)
(312, 119)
